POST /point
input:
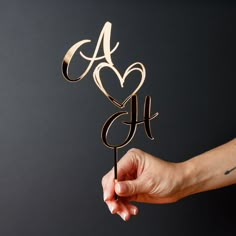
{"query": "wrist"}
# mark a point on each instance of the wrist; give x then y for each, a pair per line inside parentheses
(192, 178)
(207, 171)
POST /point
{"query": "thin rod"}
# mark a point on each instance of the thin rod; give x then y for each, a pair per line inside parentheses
(115, 167)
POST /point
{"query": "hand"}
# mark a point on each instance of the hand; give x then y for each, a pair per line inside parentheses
(142, 178)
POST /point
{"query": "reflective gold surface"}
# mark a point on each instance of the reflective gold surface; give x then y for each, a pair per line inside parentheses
(133, 122)
(137, 66)
(104, 36)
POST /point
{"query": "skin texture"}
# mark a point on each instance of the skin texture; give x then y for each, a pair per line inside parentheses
(148, 179)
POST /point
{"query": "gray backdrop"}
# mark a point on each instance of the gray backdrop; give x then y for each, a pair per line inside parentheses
(51, 155)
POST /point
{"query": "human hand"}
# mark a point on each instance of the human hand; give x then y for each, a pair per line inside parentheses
(142, 178)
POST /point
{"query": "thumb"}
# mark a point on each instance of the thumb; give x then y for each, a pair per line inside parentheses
(129, 187)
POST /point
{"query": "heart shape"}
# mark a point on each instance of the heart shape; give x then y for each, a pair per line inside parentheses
(133, 67)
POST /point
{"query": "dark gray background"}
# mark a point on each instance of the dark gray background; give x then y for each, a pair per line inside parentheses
(51, 155)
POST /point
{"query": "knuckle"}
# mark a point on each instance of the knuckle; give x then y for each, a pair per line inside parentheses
(135, 151)
(132, 188)
(136, 156)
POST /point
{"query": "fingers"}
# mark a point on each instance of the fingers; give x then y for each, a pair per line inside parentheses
(128, 164)
(126, 188)
(126, 167)
(127, 210)
(127, 170)
(133, 210)
(113, 206)
(131, 188)
(122, 208)
(108, 186)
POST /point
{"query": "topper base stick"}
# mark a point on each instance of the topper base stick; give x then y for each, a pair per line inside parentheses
(115, 168)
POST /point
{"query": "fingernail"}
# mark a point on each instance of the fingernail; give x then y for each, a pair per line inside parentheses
(121, 188)
(124, 216)
(111, 208)
(118, 188)
(135, 211)
(105, 197)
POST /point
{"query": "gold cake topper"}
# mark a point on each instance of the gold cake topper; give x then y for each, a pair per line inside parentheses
(104, 42)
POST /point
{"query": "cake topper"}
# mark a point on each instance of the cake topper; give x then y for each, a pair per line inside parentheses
(104, 43)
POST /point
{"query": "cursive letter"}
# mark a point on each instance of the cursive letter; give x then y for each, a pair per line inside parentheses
(105, 35)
